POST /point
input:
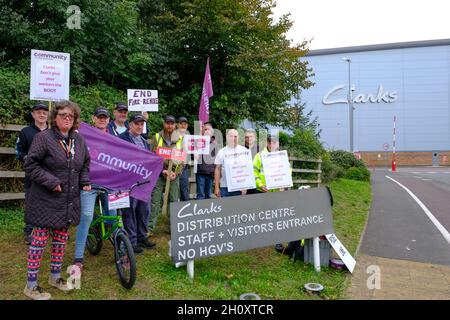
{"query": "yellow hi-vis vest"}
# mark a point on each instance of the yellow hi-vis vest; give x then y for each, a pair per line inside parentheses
(178, 145)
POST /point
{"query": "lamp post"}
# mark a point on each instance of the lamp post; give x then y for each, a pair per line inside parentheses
(350, 103)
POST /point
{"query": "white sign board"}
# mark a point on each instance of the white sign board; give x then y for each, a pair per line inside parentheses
(118, 201)
(49, 75)
(239, 171)
(277, 170)
(142, 100)
(343, 253)
(196, 144)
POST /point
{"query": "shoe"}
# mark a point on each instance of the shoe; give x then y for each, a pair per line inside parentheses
(59, 283)
(137, 249)
(28, 239)
(36, 293)
(147, 244)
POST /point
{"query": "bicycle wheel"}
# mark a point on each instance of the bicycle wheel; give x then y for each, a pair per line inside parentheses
(125, 260)
(94, 240)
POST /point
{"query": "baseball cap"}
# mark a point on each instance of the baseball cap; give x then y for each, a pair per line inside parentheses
(169, 118)
(182, 119)
(121, 106)
(137, 117)
(101, 111)
(39, 106)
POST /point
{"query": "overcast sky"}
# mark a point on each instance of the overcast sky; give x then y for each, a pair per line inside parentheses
(343, 23)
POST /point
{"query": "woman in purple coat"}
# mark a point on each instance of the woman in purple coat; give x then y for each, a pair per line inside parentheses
(58, 167)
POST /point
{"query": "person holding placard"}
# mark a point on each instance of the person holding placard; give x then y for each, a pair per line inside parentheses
(220, 173)
(168, 138)
(120, 123)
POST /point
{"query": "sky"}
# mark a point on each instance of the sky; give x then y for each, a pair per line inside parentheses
(344, 23)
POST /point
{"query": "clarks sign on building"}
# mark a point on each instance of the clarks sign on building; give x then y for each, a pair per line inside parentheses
(382, 96)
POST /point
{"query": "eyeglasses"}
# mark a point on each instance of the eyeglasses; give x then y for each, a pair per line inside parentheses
(66, 115)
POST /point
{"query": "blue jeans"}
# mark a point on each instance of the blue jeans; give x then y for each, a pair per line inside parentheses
(87, 199)
(204, 183)
(224, 193)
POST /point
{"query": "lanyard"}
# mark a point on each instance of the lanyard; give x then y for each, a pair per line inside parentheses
(69, 149)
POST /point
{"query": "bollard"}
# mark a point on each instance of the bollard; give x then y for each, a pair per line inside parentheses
(316, 254)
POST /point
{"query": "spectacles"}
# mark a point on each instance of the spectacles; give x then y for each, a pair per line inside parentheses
(66, 115)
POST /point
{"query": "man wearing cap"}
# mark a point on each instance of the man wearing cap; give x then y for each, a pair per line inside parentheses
(182, 126)
(167, 138)
(39, 114)
(136, 217)
(120, 123)
(100, 119)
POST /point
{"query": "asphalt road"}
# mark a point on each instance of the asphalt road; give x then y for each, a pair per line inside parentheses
(398, 228)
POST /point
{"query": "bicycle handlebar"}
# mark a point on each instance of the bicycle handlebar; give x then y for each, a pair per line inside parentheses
(137, 184)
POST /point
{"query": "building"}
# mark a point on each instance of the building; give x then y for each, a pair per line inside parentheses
(409, 81)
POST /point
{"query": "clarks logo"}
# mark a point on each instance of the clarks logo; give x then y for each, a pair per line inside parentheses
(381, 96)
(119, 163)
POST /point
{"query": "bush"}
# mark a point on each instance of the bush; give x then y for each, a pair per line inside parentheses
(304, 143)
(345, 159)
(331, 171)
(358, 173)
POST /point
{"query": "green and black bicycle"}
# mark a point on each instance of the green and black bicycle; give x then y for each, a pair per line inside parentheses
(104, 227)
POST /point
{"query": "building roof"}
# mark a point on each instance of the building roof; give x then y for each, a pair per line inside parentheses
(385, 46)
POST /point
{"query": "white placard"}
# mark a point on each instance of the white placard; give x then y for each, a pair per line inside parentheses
(277, 170)
(196, 144)
(239, 171)
(118, 201)
(142, 100)
(343, 253)
(49, 75)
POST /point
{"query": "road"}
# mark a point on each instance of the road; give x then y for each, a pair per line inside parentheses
(398, 228)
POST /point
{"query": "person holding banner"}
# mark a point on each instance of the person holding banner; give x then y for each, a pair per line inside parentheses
(184, 177)
(39, 115)
(170, 139)
(204, 177)
(220, 178)
(136, 217)
(58, 167)
(100, 118)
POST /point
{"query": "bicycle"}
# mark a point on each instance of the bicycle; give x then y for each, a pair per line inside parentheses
(123, 250)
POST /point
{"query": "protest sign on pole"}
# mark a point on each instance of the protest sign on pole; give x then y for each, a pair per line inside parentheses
(196, 144)
(142, 100)
(49, 75)
(239, 171)
(277, 170)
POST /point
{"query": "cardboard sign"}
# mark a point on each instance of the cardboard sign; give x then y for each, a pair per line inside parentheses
(343, 253)
(212, 227)
(239, 171)
(277, 170)
(196, 144)
(171, 154)
(118, 200)
(142, 100)
(49, 75)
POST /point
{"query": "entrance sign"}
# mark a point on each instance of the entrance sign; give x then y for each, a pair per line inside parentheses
(142, 100)
(343, 253)
(277, 170)
(212, 227)
(239, 171)
(49, 75)
(196, 144)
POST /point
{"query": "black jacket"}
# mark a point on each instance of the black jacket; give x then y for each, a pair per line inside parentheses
(127, 137)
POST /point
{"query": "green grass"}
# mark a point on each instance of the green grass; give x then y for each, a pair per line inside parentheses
(263, 271)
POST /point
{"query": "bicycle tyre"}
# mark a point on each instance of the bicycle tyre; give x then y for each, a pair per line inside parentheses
(94, 242)
(125, 260)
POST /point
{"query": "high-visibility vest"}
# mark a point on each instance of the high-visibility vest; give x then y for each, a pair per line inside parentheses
(179, 145)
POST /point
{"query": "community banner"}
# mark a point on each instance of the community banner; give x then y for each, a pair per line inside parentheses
(212, 227)
(118, 164)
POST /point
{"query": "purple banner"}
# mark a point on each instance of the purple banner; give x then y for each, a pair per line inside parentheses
(117, 164)
(207, 92)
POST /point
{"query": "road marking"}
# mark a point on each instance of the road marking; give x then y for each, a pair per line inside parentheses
(426, 179)
(433, 219)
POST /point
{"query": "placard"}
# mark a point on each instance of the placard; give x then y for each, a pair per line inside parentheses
(277, 170)
(171, 153)
(239, 171)
(118, 200)
(196, 144)
(211, 227)
(142, 100)
(49, 75)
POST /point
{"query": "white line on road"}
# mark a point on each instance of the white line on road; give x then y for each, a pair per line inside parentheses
(426, 179)
(438, 225)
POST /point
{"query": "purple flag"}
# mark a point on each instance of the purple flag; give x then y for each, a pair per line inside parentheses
(207, 92)
(117, 164)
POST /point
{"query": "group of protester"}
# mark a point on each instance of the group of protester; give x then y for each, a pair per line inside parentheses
(59, 193)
